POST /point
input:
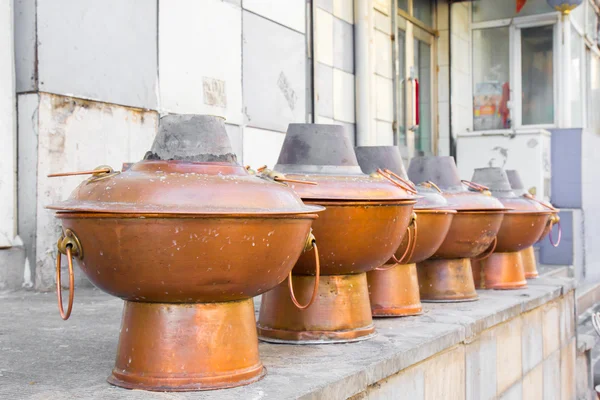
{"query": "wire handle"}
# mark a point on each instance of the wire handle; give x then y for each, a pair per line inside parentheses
(315, 287)
(410, 247)
(430, 184)
(475, 186)
(400, 184)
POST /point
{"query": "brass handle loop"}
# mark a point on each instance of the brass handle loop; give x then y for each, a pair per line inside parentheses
(65, 315)
(69, 245)
(400, 184)
(311, 243)
(410, 247)
(488, 252)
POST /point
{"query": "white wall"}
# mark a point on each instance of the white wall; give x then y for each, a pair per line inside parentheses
(7, 127)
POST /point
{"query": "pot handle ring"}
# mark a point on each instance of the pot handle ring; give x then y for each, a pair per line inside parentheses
(555, 244)
(486, 253)
(310, 244)
(69, 245)
(410, 248)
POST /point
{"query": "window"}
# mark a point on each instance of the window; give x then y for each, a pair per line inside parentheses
(537, 71)
(423, 11)
(420, 10)
(422, 63)
(491, 89)
(575, 88)
(487, 10)
(514, 70)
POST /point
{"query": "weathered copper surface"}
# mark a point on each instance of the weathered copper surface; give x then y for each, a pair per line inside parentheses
(171, 258)
(365, 219)
(340, 314)
(521, 227)
(470, 234)
(446, 280)
(394, 291)
(529, 263)
(356, 236)
(181, 347)
(187, 244)
(499, 271)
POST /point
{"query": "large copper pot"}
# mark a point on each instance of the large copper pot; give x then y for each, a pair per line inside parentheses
(394, 287)
(186, 237)
(362, 226)
(528, 254)
(520, 229)
(447, 275)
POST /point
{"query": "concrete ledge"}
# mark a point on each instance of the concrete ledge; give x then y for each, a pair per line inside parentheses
(57, 359)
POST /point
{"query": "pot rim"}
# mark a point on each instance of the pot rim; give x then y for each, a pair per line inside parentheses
(78, 213)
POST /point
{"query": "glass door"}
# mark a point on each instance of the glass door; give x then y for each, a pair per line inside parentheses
(414, 76)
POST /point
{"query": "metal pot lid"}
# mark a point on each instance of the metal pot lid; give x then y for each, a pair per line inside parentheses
(442, 172)
(181, 176)
(499, 185)
(324, 154)
(372, 158)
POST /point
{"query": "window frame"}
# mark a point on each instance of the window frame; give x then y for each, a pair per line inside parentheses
(515, 26)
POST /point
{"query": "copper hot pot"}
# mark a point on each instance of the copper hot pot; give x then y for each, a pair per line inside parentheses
(394, 287)
(528, 254)
(447, 275)
(362, 226)
(186, 237)
(521, 228)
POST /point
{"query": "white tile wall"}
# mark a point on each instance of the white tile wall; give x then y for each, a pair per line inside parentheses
(200, 58)
(383, 22)
(291, 13)
(101, 50)
(385, 101)
(343, 96)
(274, 74)
(323, 37)
(344, 9)
(443, 85)
(261, 147)
(8, 128)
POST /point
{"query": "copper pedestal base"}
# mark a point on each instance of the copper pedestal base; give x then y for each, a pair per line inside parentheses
(529, 263)
(394, 291)
(503, 271)
(446, 281)
(186, 347)
(341, 312)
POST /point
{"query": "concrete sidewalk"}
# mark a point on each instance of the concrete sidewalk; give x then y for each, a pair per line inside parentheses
(43, 357)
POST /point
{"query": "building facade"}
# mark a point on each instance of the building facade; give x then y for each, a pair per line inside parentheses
(85, 83)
